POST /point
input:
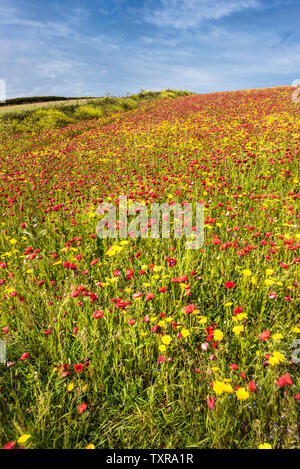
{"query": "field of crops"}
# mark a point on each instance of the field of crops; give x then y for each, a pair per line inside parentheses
(141, 343)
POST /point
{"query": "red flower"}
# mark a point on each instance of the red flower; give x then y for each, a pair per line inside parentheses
(69, 265)
(252, 386)
(233, 366)
(272, 295)
(237, 310)
(264, 335)
(162, 289)
(79, 367)
(284, 380)
(161, 359)
(150, 296)
(211, 402)
(189, 309)
(25, 356)
(182, 279)
(5, 330)
(98, 314)
(9, 445)
(138, 294)
(94, 262)
(131, 322)
(82, 408)
(229, 285)
(171, 262)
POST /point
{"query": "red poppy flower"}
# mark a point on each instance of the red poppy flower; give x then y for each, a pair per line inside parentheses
(252, 386)
(79, 367)
(189, 308)
(264, 335)
(229, 285)
(25, 356)
(9, 445)
(233, 366)
(82, 408)
(211, 402)
(98, 314)
(284, 380)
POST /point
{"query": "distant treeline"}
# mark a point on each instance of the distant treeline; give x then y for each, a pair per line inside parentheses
(36, 99)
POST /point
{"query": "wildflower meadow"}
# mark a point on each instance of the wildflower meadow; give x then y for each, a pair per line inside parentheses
(137, 341)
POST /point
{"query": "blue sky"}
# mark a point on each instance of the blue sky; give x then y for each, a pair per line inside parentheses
(95, 47)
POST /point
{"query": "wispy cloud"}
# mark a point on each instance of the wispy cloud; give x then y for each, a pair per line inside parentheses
(183, 14)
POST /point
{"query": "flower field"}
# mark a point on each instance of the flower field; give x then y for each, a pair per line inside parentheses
(141, 343)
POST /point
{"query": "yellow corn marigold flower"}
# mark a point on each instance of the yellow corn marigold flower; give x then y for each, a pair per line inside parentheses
(166, 339)
(265, 446)
(218, 387)
(277, 336)
(238, 329)
(71, 387)
(202, 320)
(296, 329)
(90, 446)
(276, 358)
(185, 332)
(162, 348)
(242, 394)
(269, 282)
(227, 387)
(23, 438)
(218, 335)
(161, 323)
(269, 272)
(246, 273)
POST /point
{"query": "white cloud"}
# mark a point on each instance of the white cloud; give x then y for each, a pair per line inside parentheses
(12, 17)
(183, 14)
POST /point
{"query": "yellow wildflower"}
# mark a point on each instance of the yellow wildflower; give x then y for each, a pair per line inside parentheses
(265, 446)
(238, 329)
(166, 339)
(246, 273)
(277, 336)
(276, 358)
(218, 335)
(90, 446)
(242, 394)
(24, 438)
